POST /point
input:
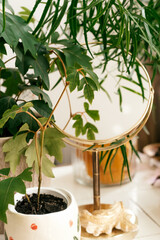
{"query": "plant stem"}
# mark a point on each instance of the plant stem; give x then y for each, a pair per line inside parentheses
(39, 123)
(56, 105)
(65, 72)
(39, 167)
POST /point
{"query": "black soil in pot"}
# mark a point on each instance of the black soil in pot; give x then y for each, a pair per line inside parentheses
(48, 204)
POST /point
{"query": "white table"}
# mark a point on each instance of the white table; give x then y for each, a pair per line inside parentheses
(137, 195)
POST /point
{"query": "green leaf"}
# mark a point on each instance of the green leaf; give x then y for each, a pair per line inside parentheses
(42, 18)
(88, 93)
(24, 127)
(76, 55)
(120, 98)
(93, 76)
(108, 159)
(90, 134)
(26, 175)
(73, 78)
(7, 189)
(12, 79)
(24, 13)
(41, 66)
(125, 162)
(91, 83)
(14, 149)
(17, 29)
(134, 150)
(2, 46)
(31, 159)
(53, 141)
(90, 126)
(31, 155)
(38, 92)
(42, 108)
(90, 129)
(10, 113)
(2, 64)
(4, 171)
(78, 125)
(6, 103)
(81, 84)
(7, 5)
(47, 166)
(56, 21)
(94, 114)
(26, 106)
(133, 91)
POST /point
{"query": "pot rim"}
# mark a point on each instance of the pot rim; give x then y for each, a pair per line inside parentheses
(63, 193)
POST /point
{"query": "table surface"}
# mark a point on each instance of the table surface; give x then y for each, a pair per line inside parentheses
(138, 195)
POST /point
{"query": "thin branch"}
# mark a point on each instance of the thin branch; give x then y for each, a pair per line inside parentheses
(64, 68)
(64, 82)
(39, 123)
(56, 105)
(39, 168)
(9, 60)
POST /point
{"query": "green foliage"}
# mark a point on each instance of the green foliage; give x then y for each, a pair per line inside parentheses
(11, 113)
(94, 114)
(89, 129)
(78, 125)
(32, 161)
(8, 187)
(4, 171)
(53, 144)
(16, 29)
(24, 13)
(14, 149)
(53, 141)
(11, 75)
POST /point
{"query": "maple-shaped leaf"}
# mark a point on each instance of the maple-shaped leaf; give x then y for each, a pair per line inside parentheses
(76, 55)
(31, 156)
(78, 125)
(41, 66)
(42, 108)
(47, 164)
(31, 159)
(14, 149)
(90, 129)
(16, 29)
(53, 141)
(7, 189)
(26, 106)
(10, 113)
(94, 114)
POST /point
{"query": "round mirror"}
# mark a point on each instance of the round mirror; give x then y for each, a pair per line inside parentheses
(123, 101)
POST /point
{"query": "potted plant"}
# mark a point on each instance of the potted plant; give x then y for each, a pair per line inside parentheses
(52, 44)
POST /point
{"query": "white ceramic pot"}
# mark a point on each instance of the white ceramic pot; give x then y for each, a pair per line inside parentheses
(63, 225)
